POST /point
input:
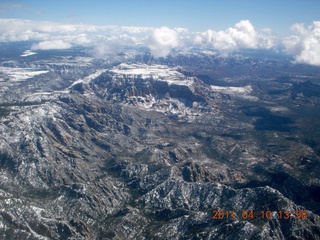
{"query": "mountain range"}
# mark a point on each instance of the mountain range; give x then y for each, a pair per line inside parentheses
(191, 146)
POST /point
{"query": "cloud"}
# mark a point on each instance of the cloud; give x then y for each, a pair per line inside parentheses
(162, 40)
(242, 35)
(305, 45)
(13, 29)
(104, 41)
(51, 44)
(51, 35)
(110, 46)
(266, 39)
(118, 40)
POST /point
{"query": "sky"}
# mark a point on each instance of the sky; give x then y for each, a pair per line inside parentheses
(226, 25)
(196, 15)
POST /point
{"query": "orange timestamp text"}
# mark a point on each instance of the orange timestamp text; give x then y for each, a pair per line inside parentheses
(219, 214)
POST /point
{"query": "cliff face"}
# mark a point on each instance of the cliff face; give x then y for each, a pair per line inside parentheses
(141, 151)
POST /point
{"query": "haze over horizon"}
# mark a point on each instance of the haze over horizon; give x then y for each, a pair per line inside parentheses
(108, 27)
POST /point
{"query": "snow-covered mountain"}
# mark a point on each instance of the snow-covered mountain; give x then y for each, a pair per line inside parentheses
(148, 148)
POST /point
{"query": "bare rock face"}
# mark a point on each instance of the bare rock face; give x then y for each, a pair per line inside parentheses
(138, 151)
(194, 172)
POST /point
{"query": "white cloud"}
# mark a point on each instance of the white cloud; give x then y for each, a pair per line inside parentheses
(162, 40)
(305, 45)
(81, 39)
(242, 35)
(103, 40)
(51, 44)
(106, 40)
(266, 39)
(108, 46)
(103, 46)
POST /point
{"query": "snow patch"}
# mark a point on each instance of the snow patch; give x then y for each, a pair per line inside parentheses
(28, 53)
(157, 72)
(279, 109)
(88, 78)
(232, 90)
(242, 92)
(19, 74)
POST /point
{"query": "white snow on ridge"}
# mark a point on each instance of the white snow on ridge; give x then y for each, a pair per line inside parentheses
(157, 72)
(37, 96)
(241, 92)
(232, 90)
(69, 61)
(19, 74)
(88, 78)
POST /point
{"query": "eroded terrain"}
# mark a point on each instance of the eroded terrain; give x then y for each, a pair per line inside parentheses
(143, 148)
